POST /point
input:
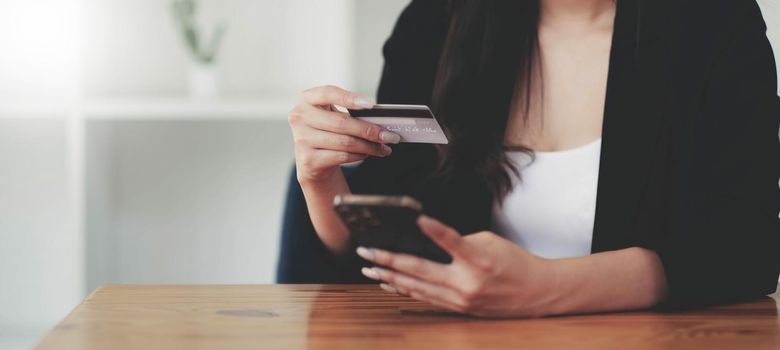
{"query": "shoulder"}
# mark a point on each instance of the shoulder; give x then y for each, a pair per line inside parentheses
(422, 26)
(717, 16)
(707, 31)
(422, 15)
(412, 53)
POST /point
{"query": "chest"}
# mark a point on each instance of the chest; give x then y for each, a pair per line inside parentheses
(565, 106)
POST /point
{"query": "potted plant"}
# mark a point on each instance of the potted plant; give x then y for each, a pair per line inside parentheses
(203, 79)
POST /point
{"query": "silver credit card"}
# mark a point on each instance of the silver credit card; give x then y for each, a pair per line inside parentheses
(415, 123)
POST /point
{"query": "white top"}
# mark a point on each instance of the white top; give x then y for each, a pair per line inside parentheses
(550, 211)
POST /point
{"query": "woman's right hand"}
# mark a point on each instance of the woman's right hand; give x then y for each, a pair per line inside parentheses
(326, 138)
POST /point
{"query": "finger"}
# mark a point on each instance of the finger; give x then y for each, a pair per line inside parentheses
(391, 289)
(407, 264)
(333, 95)
(322, 158)
(343, 123)
(444, 304)
(446, 237)
(406, 283)
(327, 140)
(416, 288)
(420, 296)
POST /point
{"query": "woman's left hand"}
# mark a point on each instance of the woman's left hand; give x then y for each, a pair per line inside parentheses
(489, 276)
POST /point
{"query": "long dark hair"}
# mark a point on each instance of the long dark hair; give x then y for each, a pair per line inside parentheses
(488, 59)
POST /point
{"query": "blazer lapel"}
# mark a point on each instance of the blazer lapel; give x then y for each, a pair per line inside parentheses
(637, 89)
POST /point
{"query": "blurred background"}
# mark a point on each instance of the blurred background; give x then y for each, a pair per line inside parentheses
(145, 141)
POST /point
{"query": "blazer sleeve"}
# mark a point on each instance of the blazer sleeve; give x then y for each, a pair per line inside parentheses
(728, 246)
(412, 53)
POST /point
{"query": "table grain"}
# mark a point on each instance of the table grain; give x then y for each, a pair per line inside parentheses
(365, 317)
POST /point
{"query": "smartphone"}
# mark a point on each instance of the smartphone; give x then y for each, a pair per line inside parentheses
(388, 223)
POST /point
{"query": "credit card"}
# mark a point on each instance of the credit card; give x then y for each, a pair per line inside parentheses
(415, 123)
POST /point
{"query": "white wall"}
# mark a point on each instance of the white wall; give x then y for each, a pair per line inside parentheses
(40, 253)
(41, 246)
(134, 48)
(199, 201)
(185, 201)
(771, 11)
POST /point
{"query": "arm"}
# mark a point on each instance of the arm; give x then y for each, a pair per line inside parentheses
(411, 58)
(493, 277)
(724, 244)
(407, 77)
(319, 203)
(625, 279)
(324, 140)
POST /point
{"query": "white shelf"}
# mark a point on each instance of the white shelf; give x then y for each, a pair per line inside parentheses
(269, 108)
(35, 109)
(275, 108)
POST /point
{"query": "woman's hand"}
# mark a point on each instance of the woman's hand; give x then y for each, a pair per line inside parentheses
(326, 138)
(489, 276)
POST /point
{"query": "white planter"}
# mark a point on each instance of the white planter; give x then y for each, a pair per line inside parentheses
(204, 81)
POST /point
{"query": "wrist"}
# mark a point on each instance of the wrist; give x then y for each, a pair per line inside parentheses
(323, 180)
(319, 193)
(554, 287)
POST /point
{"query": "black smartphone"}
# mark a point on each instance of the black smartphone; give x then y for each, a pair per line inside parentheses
(388, 223)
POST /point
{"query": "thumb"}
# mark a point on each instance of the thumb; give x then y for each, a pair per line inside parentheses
(446, 237)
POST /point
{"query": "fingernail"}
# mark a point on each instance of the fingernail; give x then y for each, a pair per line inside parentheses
(386, 150)
(365, 253)
(389, 137)
(364, 102)
(370, 273)
(388, 288)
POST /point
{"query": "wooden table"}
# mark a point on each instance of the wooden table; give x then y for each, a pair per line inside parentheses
(365, 317)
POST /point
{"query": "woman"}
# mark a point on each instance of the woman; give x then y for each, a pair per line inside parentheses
(604, 155)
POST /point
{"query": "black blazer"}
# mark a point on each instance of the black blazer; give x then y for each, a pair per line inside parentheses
(690, 153)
